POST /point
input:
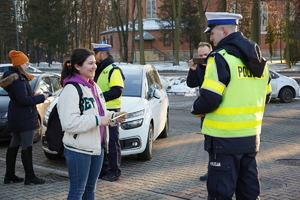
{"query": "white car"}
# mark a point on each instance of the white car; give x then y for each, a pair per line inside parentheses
(4, 67)
(147, 106)
(283, 87)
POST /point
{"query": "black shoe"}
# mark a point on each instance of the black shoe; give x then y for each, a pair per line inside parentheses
(110, 178)
(13, 178)
(30, 177)
(204, 177)
(34, 180)
(101, 176)
(11, 156)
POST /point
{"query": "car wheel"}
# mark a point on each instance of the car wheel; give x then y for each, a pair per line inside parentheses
(165, 132)
(52, 156)
(147, 154)
(37, 133)
(286, 95)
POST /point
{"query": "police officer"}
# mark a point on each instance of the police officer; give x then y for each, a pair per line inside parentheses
(232, 98)
(196, 76)
(110, 79)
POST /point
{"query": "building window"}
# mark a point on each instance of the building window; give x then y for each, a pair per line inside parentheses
(264, 16)
(167, 40)
(151, 8)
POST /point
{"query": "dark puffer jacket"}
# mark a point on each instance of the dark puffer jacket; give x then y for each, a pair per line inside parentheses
(22, 111)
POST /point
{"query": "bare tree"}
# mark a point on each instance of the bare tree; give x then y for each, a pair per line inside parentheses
(287, 34)
(177, 9)
(133, 19)
(255, 25)
(121, 12)
(141, 33)
(202, 9)
(223, 6)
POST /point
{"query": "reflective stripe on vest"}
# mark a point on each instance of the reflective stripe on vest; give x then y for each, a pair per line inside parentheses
(116, 79)
(241, 111)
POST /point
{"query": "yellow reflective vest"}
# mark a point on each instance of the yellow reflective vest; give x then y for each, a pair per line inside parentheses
(106, 81)
(241, 111)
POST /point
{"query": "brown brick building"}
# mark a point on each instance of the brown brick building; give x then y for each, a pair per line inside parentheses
(158, 47)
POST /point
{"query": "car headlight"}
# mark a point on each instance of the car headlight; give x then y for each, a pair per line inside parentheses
(132, 124)
(135, 114)
(4, 116)
(46, 116)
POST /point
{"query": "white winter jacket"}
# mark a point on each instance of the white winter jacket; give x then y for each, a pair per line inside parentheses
(82, 132)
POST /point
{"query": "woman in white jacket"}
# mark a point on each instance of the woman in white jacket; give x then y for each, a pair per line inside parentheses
(85, 134)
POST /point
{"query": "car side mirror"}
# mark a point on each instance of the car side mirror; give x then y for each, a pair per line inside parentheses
(157, 94)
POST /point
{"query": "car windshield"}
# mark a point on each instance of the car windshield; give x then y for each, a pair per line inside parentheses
(32, 84)
(133, 81)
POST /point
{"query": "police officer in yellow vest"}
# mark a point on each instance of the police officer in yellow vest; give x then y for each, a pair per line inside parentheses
(110, 79)
(233, 96)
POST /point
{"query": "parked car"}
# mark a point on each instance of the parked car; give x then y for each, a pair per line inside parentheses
(147, 106)
(284, 88)
(43, 81)
(4, 67)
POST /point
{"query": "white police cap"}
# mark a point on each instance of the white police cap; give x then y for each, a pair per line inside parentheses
(219, 18)
(103, 46)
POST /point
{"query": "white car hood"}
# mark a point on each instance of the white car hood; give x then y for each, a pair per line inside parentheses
(132, 104)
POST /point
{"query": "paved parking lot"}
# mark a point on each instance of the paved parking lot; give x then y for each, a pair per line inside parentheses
(177, 162)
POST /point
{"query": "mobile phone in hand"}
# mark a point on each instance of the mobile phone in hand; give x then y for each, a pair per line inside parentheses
(199, 61)
(49, 93)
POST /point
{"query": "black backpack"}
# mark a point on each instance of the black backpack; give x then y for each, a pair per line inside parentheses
(54, 132)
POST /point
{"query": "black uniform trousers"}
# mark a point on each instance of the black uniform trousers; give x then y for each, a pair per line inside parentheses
(112, 156)
(233, 173)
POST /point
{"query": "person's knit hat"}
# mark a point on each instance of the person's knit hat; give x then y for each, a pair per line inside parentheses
(17, 57)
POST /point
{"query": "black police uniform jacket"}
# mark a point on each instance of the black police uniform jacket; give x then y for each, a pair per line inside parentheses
(248, 51)
(22, 111)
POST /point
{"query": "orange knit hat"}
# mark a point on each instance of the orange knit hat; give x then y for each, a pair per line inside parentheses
(17, 57)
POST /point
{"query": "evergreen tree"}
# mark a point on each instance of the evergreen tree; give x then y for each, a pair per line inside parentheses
(46, 25)
(190, 24)
(245, 23)
(280, 35)
(7, 30)
(270, 38)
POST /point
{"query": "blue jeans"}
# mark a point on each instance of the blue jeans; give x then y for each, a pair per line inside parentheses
(83, 172)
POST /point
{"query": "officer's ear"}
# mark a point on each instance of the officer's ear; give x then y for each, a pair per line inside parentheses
(225, 31)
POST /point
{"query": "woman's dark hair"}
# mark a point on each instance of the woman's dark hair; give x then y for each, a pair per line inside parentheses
(78, 57)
